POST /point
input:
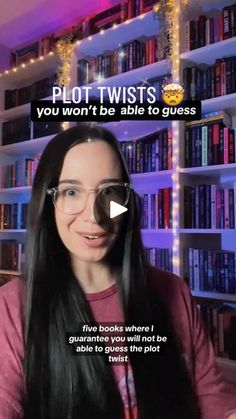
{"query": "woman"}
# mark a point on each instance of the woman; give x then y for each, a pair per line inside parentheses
(82, 266)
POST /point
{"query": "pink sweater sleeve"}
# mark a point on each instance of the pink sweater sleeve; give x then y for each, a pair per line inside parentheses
(11, 352)
(217, 400)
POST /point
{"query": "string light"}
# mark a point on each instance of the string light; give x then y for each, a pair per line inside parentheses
(65, 125)
(64, 49)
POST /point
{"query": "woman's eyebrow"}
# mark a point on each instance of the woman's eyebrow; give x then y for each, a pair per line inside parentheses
(72, 181)
(78, 182)
(110, 180)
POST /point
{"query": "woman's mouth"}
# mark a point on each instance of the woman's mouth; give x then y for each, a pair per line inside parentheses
(94, 240)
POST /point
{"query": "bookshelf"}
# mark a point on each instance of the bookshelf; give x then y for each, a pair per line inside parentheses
(140, 27)
(222, 175)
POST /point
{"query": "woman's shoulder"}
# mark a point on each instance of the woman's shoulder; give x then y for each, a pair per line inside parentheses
(172, 291)
(11, 301)
(166, 282)
(12, 290)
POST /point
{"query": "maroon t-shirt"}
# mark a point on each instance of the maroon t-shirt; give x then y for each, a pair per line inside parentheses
(216, 400)
(106, 308)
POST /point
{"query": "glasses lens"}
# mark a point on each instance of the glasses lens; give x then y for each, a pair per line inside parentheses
(117, 193)
(69, 200)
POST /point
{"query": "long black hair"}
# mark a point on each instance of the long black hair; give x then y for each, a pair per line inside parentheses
(58, 384)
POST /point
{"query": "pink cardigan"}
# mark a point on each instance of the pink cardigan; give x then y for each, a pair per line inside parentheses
(216, 400)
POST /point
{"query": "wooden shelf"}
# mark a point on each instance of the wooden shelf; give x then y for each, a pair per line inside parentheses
(18, 111)
(7, 272)
(134, 130)
(23, 76)
(157, 231)
(214, 295)
(206, 230)
(209, 53)
(18, 190)
(18, 231)
(151, 181)
(216, 170)
(30, 146)
(219, 102)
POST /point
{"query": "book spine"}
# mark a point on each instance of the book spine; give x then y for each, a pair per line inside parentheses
(213, 206)
(226, 208)
(226, 22)
(196, 271)
(226, 145)
(204, 145)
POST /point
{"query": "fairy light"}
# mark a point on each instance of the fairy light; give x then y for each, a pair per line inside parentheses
(65, 125)
(121, 54)
(99, 78)
(64, 49)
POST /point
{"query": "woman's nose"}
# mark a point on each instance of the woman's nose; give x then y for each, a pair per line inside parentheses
(87, 214)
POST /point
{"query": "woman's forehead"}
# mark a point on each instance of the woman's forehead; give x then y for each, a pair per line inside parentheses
(91, 159)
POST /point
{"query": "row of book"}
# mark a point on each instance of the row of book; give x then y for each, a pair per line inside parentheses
(211, 270)
(21, 173)
(156, 209)
(13, 216)
(161, 258)
(127, 57)
(220, 322)
(215, 80)
(149, 154)
(207, 30)
(18, 130)
(209, 206)
(209, 142)
(38, 90)
(84, 28)
(11, 255)
(32, 51)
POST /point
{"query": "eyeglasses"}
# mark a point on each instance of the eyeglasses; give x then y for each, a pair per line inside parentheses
(72, 199)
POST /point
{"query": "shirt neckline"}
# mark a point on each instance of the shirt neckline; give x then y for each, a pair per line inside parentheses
(92, 296)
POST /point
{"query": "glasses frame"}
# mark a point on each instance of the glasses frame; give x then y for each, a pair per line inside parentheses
(53, 191)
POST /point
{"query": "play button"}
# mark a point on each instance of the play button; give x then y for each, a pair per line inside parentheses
(116, 209)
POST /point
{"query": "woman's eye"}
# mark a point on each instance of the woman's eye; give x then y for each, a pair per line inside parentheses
(70, 192)
(109, 191)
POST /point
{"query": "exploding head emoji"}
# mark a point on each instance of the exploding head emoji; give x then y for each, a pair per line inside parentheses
(172, 94)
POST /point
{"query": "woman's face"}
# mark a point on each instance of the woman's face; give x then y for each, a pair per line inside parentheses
(87, 166)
